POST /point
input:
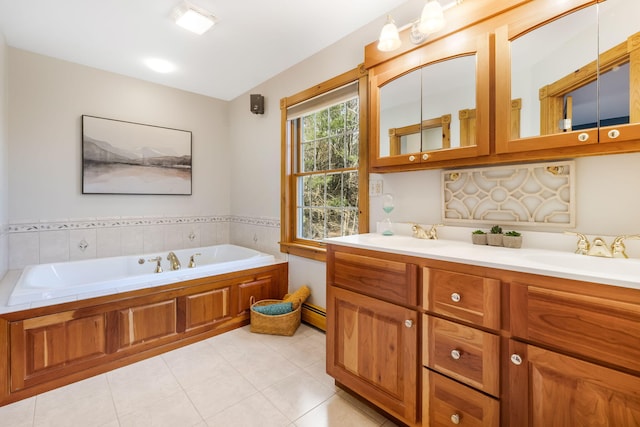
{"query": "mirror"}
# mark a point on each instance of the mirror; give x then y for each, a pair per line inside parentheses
(400, 109)
(619, 80)
(421, 110)
(551, 68)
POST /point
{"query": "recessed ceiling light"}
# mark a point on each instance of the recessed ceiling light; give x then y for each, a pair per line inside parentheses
(193, 18)
(160, 65)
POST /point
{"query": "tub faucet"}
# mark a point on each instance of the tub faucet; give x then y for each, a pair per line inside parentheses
(192, 260)
(157, 260)
(173, 259)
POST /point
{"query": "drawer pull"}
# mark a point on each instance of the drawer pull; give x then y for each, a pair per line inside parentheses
(455, 419)
(516, 359)
(456, 354)
(455, 297)
(614, 133)
(583, 137)
(408, 323)
(412, 158)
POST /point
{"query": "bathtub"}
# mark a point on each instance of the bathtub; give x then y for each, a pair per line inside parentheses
(75, 280)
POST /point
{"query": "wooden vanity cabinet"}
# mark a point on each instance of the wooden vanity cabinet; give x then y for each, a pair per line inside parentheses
(460, 348)
(372, 328)
(574, 355)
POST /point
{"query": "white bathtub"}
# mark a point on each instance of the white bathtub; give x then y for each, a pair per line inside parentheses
(68, 281)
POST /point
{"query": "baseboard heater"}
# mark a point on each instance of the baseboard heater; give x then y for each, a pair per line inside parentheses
(314, 316)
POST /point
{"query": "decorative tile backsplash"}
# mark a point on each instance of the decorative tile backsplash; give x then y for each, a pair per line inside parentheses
(524, 194)
(40, 242)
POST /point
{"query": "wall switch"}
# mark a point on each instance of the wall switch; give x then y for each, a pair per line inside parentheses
(375, 187)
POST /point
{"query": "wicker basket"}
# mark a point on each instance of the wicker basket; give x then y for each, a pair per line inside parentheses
(281, 324)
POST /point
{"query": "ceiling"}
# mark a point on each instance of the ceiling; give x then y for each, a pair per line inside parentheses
(253, 40)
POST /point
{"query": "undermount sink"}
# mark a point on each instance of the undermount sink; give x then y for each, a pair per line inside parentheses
(587, 264)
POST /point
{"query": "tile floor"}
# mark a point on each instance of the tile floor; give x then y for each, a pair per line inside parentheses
(237, 379)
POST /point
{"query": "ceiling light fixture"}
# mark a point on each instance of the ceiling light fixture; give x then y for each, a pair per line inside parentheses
(193, 18)
(160, 65)
(431, 21)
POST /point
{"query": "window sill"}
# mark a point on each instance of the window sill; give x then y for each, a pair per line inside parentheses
(318, 253)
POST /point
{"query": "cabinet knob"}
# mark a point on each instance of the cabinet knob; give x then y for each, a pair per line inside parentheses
(583, 137)
(425, 156)
(412, 158)
(455, 354)
(516, 359)
(613, 133)
(455, 419)
(455, 297)
(408, 323)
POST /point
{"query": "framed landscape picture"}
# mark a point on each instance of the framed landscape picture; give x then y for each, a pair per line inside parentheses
(121, 157)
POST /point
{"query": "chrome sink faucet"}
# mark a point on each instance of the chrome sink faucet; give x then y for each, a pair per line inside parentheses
(421, 233)
(173, 259)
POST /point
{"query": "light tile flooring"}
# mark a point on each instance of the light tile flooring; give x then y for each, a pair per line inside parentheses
(237, 379)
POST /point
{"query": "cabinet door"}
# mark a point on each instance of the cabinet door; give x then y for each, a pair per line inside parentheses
(546, 61)
(259, 289)
(432, 104)
(548, 389)
(146, 323)
(619, 71)
(206, 308)
(54, 343)
(372, 349)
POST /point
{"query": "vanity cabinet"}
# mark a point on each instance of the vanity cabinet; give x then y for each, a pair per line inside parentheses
(372, 329)
(460, 348)
(494, 347)
(574, 355)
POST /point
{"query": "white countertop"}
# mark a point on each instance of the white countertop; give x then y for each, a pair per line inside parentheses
(608, 271)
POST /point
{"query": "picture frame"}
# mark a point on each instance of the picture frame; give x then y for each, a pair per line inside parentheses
(121, 157)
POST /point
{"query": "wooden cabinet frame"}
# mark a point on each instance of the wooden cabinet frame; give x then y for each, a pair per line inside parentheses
(44, 348)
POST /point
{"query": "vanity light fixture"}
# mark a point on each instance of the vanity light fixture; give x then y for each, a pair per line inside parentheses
(193, 18)
(431, 21)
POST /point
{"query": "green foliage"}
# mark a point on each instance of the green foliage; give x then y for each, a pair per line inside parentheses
(478, 232)
(328, 203)
(512, 233)
(496, 229)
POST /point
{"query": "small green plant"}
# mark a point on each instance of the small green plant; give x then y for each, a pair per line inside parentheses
(496, 229)
(478, 232)
(512, 233)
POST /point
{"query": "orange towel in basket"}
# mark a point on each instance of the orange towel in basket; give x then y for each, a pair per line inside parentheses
(298, 297)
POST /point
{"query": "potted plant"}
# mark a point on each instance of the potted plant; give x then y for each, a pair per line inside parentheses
(512, 239)
(494, 238)
(479, 237)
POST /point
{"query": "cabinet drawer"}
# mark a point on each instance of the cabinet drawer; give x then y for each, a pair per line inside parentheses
(446, 402)
(393, 281)
(467, 354)
(470, 298)
(592, 326)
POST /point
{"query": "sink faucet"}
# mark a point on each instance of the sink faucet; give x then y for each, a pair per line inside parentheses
(600, 248)
(421, 233)
(618, 248)
(173, 259)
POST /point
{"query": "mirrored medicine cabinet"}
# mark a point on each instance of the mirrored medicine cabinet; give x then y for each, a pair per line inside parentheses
(577, 75)
(432, 104)
(543, 79)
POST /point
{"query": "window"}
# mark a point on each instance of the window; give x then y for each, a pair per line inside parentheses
(323, 171)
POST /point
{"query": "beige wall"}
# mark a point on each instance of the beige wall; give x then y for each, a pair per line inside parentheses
(47, 98)
(4, 160)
